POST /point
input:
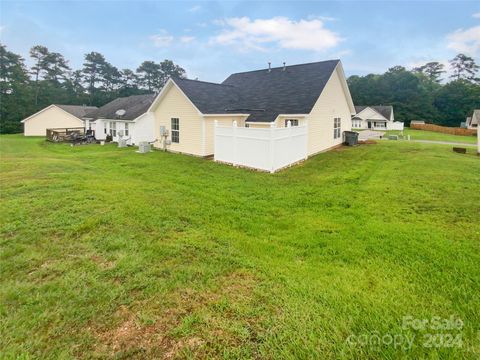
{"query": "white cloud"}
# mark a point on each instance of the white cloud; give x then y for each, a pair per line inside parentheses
(465, 41)
(195, 8)
(162, 39)
(249, 34)
(187, 39)
(476, 15)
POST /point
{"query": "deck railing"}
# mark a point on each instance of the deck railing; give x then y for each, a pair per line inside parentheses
(63, 134)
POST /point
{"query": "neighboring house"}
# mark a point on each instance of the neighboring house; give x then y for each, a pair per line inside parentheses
(314, 94)
(375, 118)
(473, 121)
(55, 116)
(125, 117)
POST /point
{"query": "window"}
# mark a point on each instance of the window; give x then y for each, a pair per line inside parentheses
(113, 128)
(175, 130)
(104, 128)
(126, 129)
(294, 122)
(337, 125)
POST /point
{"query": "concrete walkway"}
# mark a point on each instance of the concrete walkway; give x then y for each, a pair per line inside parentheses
(370, 135)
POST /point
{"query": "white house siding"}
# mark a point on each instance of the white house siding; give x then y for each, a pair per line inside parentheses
(143, 129)
(331, 104)
(50, 118)
(176, 105)
(101, 124)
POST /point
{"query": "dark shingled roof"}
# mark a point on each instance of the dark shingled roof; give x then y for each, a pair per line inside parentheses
(209, 98)
(134, 106)
(76, 110)
(385, 111)
(263, 94)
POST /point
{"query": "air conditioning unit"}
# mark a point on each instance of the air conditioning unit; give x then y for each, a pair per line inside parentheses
(144, 147)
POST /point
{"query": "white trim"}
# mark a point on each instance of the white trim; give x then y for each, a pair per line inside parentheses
(346, 90)
(47, 108)
(116, 120)
(164, 91)
(203, 136)
(289, 116)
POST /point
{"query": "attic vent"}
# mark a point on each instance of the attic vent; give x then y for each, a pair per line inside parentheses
(120, 112)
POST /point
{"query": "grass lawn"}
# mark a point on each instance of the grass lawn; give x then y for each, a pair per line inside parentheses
(436, 136)
(109, 253)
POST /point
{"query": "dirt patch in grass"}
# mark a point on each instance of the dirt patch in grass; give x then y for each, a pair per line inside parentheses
(102, 263)
(187, 323)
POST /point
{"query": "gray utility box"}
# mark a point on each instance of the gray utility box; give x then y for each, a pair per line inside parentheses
(144, 147)
(122, 143)
(351, 138)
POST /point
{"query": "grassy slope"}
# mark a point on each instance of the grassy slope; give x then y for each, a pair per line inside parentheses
(105, 251)
(436, 136)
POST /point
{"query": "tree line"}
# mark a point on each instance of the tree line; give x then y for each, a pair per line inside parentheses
(416, 94)
(25, 90)
(419, 94)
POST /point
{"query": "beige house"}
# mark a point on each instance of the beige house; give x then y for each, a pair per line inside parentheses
(54, 117)
(314, 94)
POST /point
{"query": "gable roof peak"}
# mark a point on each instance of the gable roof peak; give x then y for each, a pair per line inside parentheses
(284, 68)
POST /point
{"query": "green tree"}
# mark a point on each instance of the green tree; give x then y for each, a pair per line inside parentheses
(39, 53)
(111, 77)
(169, 69)
(432, 70)
(456, 100)
(56, 67)
(16, 97)
(92, 71)
(464, 67)
(150, 76)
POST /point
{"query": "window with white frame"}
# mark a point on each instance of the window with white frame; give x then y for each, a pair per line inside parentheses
(337, 126)
(175, 130)
(126, 129)
(293, 122)
(113, 128)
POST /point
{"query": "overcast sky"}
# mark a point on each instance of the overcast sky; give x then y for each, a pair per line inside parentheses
(213, 39)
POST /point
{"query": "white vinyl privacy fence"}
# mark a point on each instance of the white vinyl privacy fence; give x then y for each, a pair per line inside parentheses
(267, 149)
